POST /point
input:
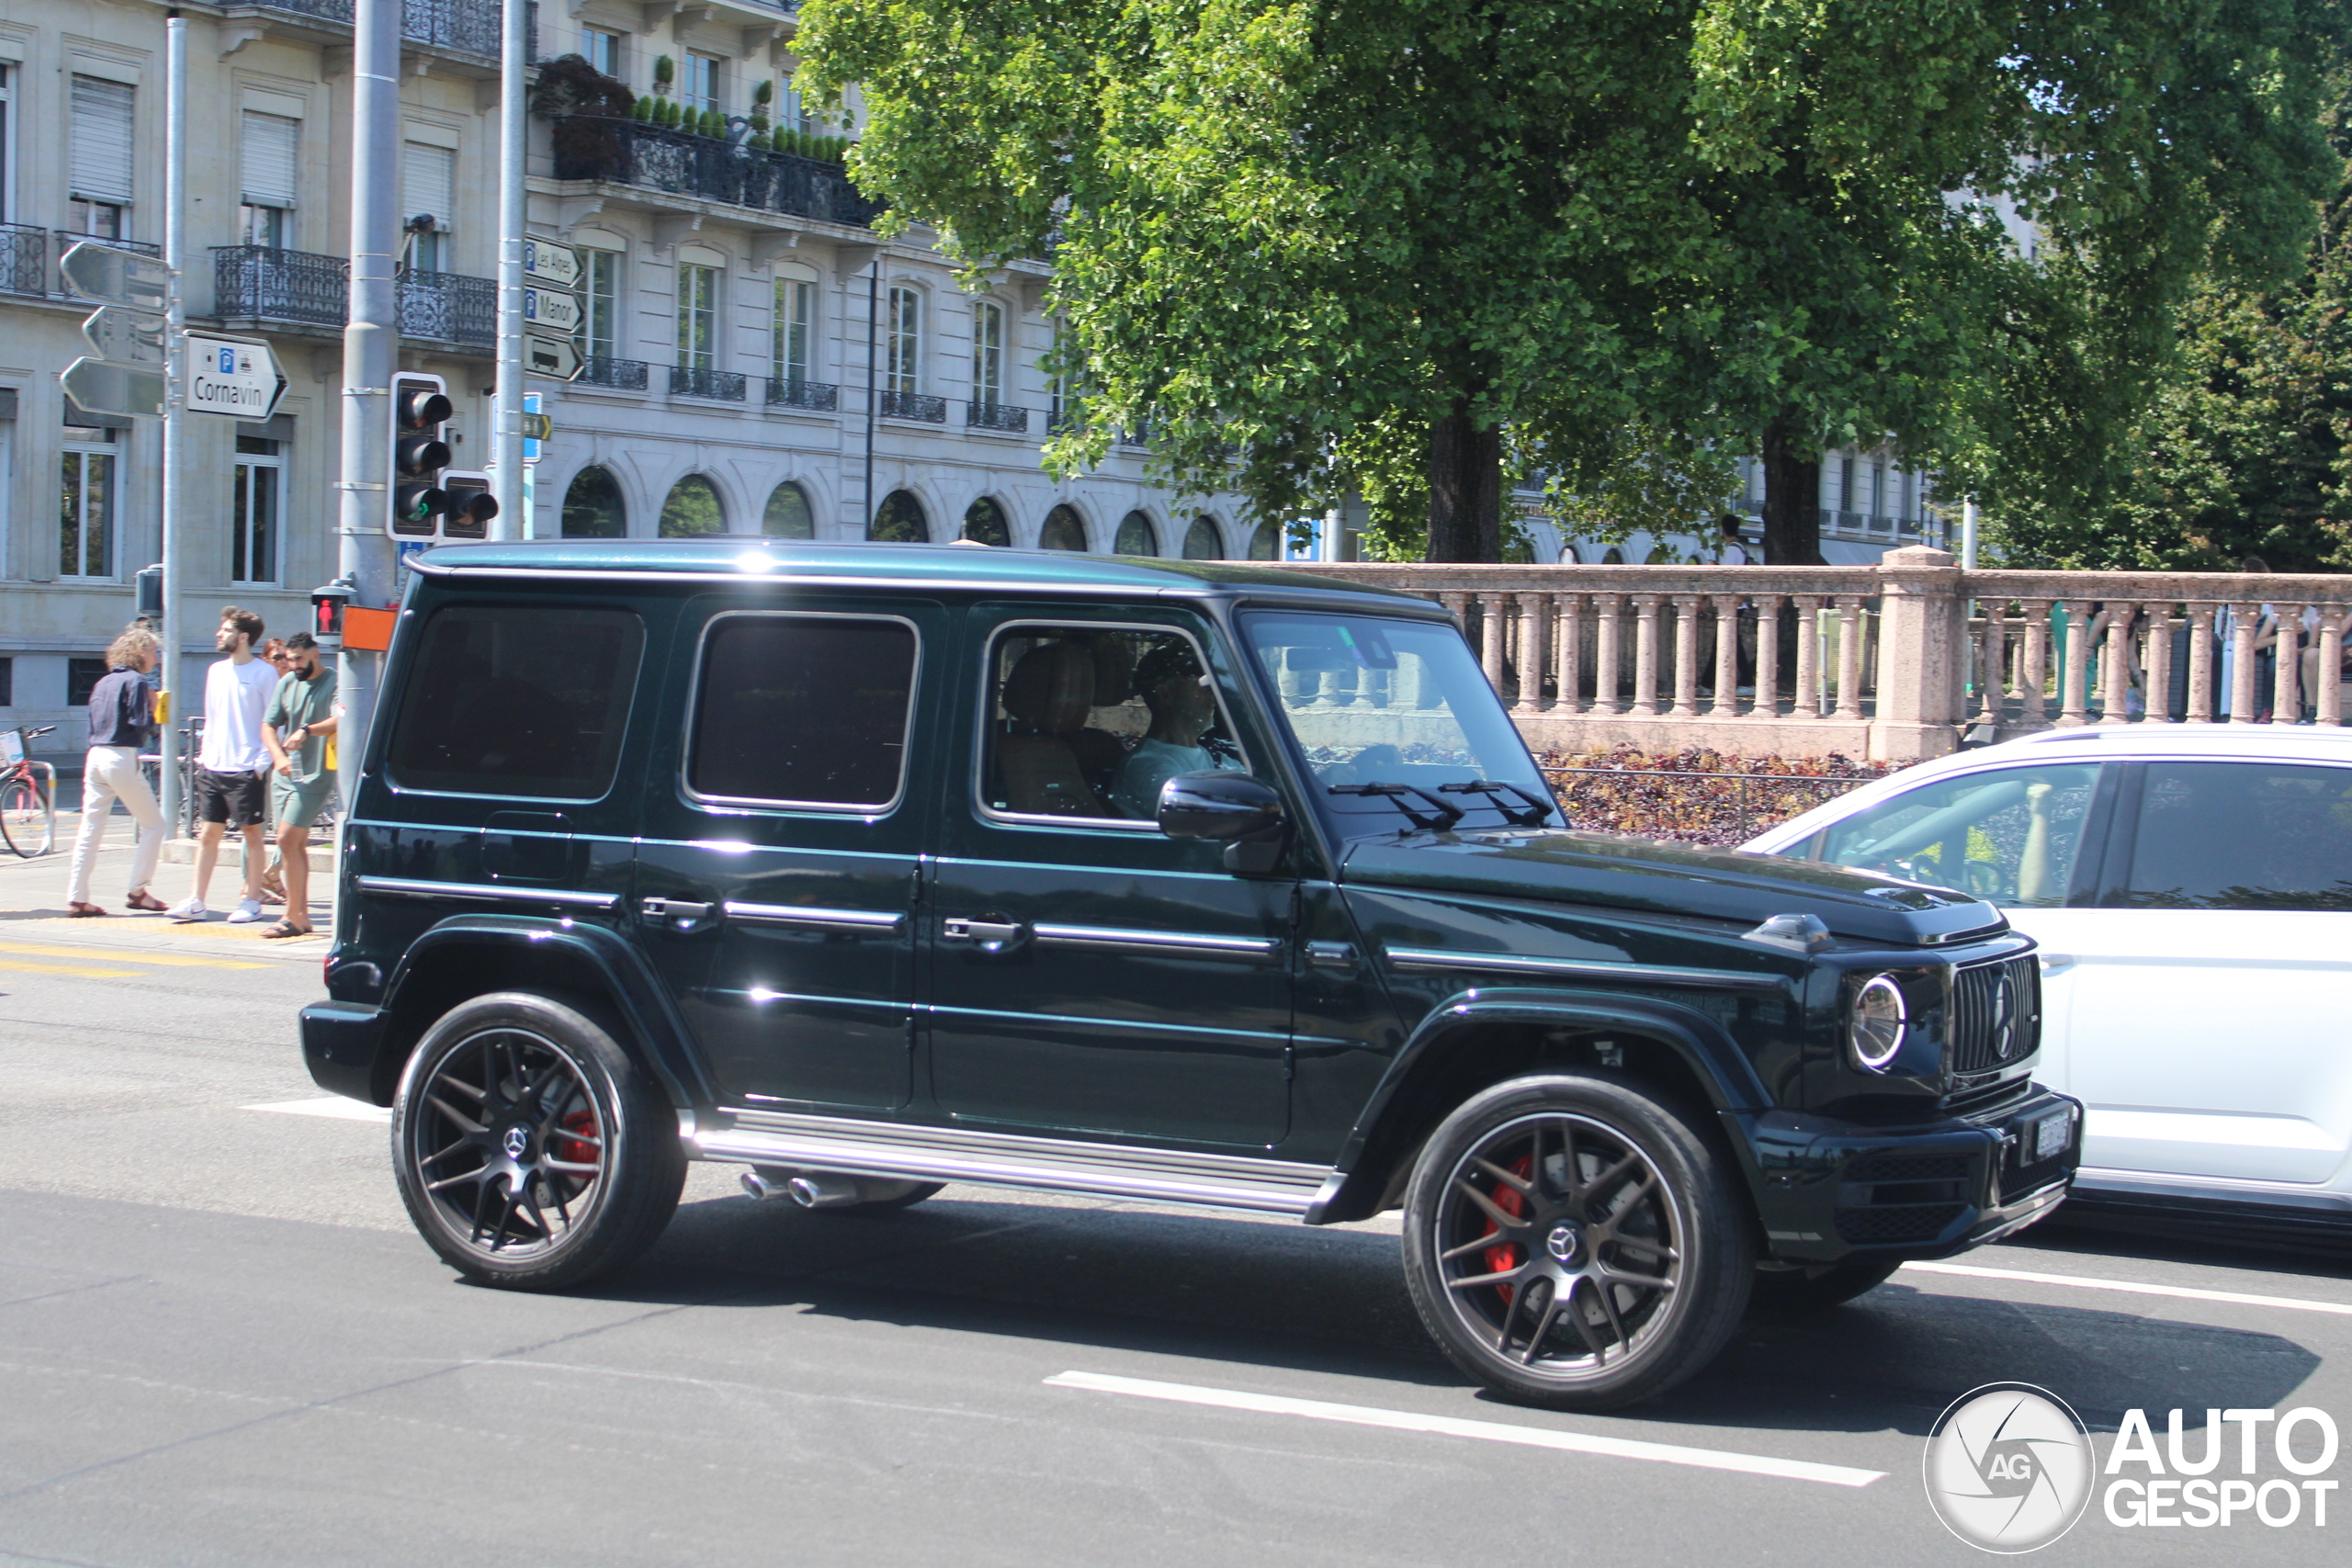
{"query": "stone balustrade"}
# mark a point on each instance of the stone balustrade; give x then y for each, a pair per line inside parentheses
(1896, 661)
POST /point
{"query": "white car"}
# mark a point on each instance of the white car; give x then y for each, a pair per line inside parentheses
(2191, 889)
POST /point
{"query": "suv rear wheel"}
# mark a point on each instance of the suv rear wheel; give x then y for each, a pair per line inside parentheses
(1571, 1242)
(531, 1149)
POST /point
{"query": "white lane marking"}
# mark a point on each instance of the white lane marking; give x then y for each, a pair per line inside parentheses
(333, 1107)
(1454, 1427)
(2085, 1283)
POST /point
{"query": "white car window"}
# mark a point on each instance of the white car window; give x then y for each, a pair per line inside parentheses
(2243, 836)
(2010, 835)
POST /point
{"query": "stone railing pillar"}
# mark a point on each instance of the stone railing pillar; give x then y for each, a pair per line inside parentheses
(2115, 664)
(1686, 656)
(1727, 654)
(1767, 706)
(1607, 656)
(2201, 661)
(1808, 673)
(1852, 626)
(1923, 631)
(1534, 623)
(2243, 626)
(1568, 648)
(2074, 671)
(2159, 664)
(1646, 655)
(2330, 697)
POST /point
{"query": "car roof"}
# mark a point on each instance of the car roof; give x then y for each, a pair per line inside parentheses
(751, 559)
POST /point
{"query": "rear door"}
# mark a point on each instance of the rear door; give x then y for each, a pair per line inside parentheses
(780, 869)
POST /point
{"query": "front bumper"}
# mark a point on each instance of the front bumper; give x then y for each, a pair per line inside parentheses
(1829, 1190)
(343, 1044)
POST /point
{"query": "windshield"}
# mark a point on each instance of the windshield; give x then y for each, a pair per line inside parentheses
(1397, 723)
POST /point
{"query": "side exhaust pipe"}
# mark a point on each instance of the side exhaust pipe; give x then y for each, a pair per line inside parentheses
(820, 1189)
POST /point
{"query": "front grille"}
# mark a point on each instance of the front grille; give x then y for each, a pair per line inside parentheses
(1897, 1221)
(1907, 1168)
(1996, 1014)
(1984, 1096)
(2019, 1180)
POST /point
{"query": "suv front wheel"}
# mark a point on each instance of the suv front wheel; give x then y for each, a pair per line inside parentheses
(531, 1151)
(1572, 1242)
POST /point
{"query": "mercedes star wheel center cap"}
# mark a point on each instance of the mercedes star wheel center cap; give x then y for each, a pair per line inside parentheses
(1564, 1243)
(518, 1140)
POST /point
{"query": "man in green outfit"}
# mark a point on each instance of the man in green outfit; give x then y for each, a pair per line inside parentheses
(300, 718)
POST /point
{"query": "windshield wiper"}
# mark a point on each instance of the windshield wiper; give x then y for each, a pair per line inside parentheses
(1532, 815)
(1393, 793)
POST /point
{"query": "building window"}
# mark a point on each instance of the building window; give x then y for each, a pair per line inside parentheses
(788, 515)
(592, 508)
(254, 510)
(693, 510)
(796, 329)
(601, 49)
(604, 302)
(8, 155)
(82, 678)
(988, 354)
(698, 87)
(697, 317)
(906, 343)
(7, 682)
(428, 204)
(101, 158)
(984, 524)
(86, 512)
(1137, 537)
(1063, 530)
(267, 157)
(900, 519)
(1204, 540)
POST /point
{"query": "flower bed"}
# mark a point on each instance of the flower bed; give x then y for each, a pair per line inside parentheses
(1696, 796)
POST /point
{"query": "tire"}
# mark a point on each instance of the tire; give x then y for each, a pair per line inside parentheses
(1622, 1251)
(1820, 1286)
(532, 1152)
(24, 818)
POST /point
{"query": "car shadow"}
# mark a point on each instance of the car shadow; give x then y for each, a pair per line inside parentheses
(1096, 1277)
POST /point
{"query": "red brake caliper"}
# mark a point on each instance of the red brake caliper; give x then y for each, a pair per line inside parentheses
(572, 1152)
(1505, 1255)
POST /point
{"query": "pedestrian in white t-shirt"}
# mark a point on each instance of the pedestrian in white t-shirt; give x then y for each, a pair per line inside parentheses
(232, 765)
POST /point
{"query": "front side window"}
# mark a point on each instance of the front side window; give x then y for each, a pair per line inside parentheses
(1397, 723)
(697, 317)
(603, 280)
(86, 512)
(803, 710)
(1090, 721)
(2243, 836)
(796, 328)
(254, 507)
(906, 342)
(522, 700)
(988, 354)
(2010, 836)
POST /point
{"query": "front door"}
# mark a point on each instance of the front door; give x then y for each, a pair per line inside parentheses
(777, 881)
(1091, 973)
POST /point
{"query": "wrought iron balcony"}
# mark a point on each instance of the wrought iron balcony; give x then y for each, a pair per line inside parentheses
(914, 405)
(23, 259)
(1139, 436)
(723, 386)
(817, 396)
(472, 25)
(628, 152)
(447, 308)
(604, 370)
(255, 283)
(996, 416)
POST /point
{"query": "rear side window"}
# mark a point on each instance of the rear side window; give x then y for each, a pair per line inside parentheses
(803, 710)
(527, 701)
(2243, 836)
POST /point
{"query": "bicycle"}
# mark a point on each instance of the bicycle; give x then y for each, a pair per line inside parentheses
(28, 817)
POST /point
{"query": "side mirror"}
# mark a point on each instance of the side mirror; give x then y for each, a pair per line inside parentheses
(1242, 813)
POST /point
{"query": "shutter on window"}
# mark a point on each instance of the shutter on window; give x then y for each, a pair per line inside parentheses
(101, 140)
(428, 182)
(272, 143)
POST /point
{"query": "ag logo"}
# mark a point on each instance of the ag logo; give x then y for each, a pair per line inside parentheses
(2009, 1468)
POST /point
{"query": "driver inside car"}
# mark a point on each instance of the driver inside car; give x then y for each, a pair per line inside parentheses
(1184, 709)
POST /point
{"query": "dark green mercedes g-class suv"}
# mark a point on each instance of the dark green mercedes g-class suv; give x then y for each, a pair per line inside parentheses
(875, 867)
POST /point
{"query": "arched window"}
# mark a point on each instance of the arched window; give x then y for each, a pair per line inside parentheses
(693, 510)
(788, 516)
(1614, 557)
(1204, 540)
(900, 519)
(593, 509)
(985, 524)
(1266, 542)
(1062, 531)
(1135, 536)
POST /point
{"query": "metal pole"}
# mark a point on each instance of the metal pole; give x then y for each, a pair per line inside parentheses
(873, 330)
(370, 348)
(1968, 535)
(506, 461)
(175, 385)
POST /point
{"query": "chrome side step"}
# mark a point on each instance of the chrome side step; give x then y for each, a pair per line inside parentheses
(1006, 1159)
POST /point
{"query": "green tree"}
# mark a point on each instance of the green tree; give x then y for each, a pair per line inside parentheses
(1294, 238)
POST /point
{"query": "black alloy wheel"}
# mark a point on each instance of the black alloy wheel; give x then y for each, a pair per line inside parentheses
(531, 1149)
(1572, 1242)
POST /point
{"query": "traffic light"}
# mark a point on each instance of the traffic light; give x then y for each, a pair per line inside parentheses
(420, 408)
(471, 506)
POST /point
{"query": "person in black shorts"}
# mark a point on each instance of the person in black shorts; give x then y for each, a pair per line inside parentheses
(232, 765)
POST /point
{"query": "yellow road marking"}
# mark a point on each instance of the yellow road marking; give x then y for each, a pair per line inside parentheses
(83, 971)
(169, 960)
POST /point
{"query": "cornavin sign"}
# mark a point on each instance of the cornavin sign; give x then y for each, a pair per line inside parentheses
(229, 375)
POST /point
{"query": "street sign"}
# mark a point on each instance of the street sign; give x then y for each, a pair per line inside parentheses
(551, 310)
(544, 261)
(93, 271)
(100, 386)
(537, 427)
(232, 375)
(126, 336)
(551, 357)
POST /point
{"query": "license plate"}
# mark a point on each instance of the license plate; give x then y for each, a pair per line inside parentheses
(2050, 1135)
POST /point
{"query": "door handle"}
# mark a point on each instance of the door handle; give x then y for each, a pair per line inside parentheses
(988, 936)
(678, 914)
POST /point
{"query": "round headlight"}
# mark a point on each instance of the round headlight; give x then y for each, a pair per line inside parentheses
(1874, 1033)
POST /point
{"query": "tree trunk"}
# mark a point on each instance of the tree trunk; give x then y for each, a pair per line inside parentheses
(1791, 495)
(1466, 490)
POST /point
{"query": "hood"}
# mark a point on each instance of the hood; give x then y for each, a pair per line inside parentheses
(1607, 870)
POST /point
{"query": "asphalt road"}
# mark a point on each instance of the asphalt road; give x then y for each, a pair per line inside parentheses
(220, 1343)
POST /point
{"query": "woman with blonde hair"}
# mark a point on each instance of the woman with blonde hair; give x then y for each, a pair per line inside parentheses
(122, 722)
